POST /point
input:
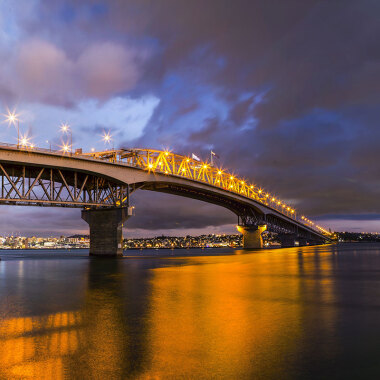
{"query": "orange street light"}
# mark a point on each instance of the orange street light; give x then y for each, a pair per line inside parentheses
(65, 128)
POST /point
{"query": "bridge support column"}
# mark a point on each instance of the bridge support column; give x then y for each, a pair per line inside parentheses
(252, 236)
(302, 241)
(287, 240)
(106, 234)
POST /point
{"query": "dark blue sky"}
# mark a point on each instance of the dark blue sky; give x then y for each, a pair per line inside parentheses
(286, 92)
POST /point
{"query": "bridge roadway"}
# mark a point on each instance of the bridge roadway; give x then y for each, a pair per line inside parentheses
(101, 184)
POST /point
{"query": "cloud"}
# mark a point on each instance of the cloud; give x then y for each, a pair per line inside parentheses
(43, 71)
(31, 221)
(354, 225)
(39, 70)
(107, 68)
(165, 211)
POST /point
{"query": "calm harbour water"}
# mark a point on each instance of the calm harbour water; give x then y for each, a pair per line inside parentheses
(296, 313)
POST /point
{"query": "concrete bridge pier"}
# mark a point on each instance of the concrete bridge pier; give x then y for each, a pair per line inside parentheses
(252, 238)
(302, 241)
(106, 230)
(287, 240)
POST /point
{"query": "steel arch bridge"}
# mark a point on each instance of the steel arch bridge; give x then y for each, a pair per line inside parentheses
(101, 183)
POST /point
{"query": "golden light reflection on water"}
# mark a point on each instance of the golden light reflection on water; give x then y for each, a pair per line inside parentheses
(34, 347)
(233, 317)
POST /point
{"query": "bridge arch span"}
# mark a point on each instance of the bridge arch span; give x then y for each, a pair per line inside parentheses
(102, 181)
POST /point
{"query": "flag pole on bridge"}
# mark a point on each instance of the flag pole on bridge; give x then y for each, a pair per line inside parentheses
(213, 154)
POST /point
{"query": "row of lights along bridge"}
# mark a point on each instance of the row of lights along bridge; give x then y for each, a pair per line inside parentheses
(13, 119)
(24, 141)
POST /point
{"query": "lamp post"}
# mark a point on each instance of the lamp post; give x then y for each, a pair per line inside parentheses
(12, 118)
(65, 128)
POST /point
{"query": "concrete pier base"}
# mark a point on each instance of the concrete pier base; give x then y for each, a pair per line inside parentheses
(106, 230)
(287, 240)
(252, 236)
(302, 241)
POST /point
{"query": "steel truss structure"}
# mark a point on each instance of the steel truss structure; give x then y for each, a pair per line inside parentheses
(40, 186)
(174, 164)
(169, 163)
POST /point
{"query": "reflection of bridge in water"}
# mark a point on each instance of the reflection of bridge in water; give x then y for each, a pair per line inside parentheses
(101, 183)
(96, 333)
(34, 347)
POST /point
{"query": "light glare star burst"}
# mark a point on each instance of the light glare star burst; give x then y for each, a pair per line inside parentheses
(107, 137)
(65, 147)
(24, 140)
(64, 127)
(11, 117)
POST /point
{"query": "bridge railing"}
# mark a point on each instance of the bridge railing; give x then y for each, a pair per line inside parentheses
(32, 148)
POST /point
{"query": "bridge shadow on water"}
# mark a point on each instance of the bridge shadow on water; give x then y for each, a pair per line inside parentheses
(74, 322)
(292, 314)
